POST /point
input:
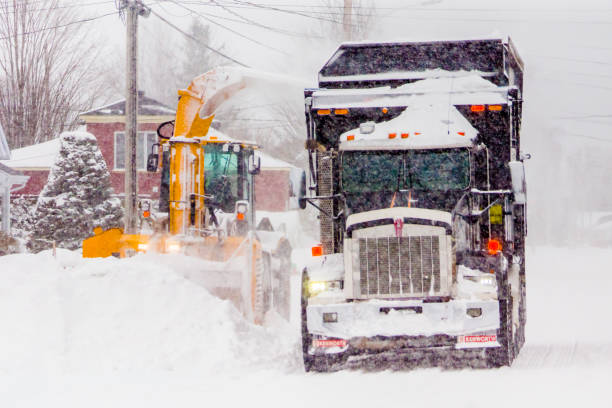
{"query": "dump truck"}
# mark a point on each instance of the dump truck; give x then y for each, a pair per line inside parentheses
(417, 172)
(207, 204)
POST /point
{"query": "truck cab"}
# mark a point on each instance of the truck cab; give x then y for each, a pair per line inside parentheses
(416, 169)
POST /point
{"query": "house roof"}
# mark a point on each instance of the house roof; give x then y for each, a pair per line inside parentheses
(39, 156)
(146, 107)
(9, 177)
(5, 153)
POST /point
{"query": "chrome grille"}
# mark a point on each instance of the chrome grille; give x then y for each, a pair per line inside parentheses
(405, 266)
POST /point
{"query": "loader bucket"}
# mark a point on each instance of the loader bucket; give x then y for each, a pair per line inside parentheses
(103, 244)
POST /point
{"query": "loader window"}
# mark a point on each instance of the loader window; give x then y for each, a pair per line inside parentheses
(221, 176)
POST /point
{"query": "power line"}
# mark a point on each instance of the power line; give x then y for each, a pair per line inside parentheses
(570, 59)
(198, 41)
(584, 117)
(229, 29)
(303, 14)
(61, 25)
(588, 137)
(253, 22)
(57, 7)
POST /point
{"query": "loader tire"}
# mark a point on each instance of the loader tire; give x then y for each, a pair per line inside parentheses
(282, 286)
(262, 292)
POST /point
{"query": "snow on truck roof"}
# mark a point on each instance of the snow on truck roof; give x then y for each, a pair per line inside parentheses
(454, 88)
(417, 127)
(430, 119)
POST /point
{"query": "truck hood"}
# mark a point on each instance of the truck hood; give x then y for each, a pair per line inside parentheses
(424, 215)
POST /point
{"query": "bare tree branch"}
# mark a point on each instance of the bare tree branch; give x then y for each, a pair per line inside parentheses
(47, 71)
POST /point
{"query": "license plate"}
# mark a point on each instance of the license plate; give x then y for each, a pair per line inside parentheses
(478, 339)
(329, 343)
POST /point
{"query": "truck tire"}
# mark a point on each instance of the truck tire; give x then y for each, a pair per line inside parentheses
(323, 363)
(520, 335)
(504, 355)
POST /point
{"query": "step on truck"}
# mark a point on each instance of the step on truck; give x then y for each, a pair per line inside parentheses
(417, 172)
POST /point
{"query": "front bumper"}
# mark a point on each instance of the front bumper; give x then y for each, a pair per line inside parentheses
(381, 322)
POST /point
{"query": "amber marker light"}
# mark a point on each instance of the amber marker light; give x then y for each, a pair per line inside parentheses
(323, 112)
(495, 108)
(405, 135)
(350, 137)
(385, 110)
(477, 108)
(392, 135)
(317, 250)
(494, 246)
(240, 216)
(341, 112)
(461, 133)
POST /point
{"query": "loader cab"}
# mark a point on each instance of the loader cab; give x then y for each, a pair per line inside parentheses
(226, 176)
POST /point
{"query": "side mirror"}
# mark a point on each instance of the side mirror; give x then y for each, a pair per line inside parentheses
(517, 172)
(152, 162)
(153, 159)
(254, 164)
(165, 130)
(302, 191)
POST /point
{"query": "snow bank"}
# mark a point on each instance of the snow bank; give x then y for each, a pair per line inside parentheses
(135, 333)
(69, 315)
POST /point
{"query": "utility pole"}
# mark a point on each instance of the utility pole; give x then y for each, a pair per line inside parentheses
(133, 8)
(346, 19)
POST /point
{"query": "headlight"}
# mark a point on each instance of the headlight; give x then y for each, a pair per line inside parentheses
(316, 287)
(486, 280)
(142, 247)
(173, 247)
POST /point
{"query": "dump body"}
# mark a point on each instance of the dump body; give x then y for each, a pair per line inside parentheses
(416, 167)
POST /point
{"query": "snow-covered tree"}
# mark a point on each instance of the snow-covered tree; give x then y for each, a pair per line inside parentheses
(77, 197)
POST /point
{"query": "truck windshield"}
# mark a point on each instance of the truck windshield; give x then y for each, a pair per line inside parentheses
(429, 170)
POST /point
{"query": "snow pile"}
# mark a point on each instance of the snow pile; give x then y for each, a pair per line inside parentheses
(134, 332)
(69, 315)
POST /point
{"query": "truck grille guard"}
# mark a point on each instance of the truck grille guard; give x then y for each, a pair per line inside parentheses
(416, 266)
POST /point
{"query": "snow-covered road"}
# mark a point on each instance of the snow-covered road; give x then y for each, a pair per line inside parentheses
(135, 333)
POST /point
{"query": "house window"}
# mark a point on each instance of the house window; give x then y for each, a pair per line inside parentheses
(144, 143)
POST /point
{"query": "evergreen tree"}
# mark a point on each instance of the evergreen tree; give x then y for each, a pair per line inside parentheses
(77, 197)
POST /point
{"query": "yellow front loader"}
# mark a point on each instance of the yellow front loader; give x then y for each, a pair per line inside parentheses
(207, 205)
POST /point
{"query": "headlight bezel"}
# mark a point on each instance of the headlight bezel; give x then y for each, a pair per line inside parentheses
(317, 287)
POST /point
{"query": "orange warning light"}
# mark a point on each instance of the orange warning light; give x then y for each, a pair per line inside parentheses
(494, 246)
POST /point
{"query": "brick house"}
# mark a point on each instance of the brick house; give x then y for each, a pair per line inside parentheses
(273, 186)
